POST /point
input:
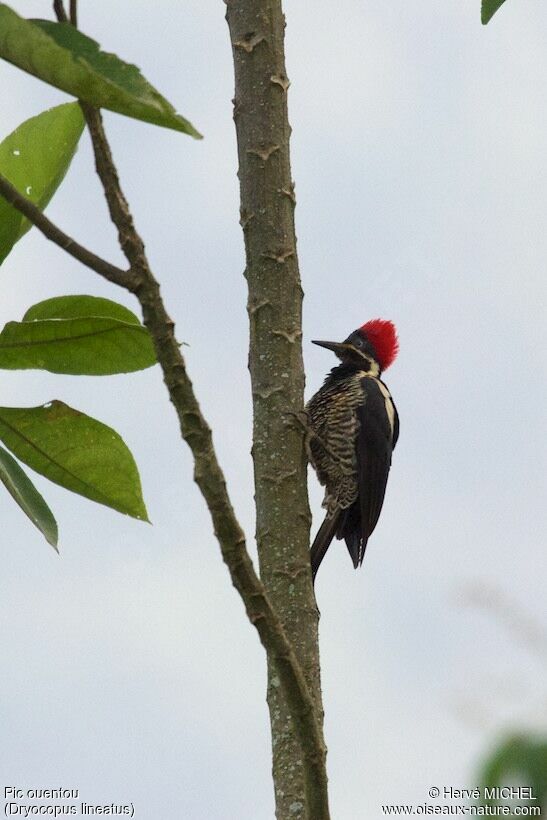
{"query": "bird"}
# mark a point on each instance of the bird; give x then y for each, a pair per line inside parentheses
(353, 427)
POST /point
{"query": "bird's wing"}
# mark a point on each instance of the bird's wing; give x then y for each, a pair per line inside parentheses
(378, 432)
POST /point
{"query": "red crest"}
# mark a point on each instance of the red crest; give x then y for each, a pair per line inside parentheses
(382, 335)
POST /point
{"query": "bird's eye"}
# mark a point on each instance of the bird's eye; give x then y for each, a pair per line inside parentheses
(358, 342)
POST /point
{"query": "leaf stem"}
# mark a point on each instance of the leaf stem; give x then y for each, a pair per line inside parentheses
(56, 235)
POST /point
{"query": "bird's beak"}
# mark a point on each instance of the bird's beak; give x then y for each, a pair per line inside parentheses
(337, 347)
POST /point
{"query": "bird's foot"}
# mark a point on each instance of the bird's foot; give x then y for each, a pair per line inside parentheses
(300, 421)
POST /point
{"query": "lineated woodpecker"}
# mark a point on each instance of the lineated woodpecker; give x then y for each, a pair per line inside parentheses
(354, 429)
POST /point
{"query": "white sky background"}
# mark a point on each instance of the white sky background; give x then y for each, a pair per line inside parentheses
(128, 669)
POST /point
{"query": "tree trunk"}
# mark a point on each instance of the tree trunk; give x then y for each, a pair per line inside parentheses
(276, 367)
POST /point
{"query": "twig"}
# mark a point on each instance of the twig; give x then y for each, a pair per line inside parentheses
(55, 234)
(130, 241)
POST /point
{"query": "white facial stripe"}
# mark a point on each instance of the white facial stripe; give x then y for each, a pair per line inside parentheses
(374, 368)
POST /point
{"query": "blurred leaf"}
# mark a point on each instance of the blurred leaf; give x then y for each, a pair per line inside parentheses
(521, 758)
(489, 8)
(35, 159)
(76, 451)
(21, 488)
(62, 56)
(93, 343)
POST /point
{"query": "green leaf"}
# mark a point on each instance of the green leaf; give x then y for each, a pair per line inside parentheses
(76, 307)
(93, 343)
(23, 491)
(76, 451)
(35, 159)
(489, 8)
(62, 56)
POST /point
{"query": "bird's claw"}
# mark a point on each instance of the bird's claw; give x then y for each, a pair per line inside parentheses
(300, 421)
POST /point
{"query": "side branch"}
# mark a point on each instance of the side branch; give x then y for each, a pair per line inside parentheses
(55, 234)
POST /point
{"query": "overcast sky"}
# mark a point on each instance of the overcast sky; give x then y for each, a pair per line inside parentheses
(128, 669)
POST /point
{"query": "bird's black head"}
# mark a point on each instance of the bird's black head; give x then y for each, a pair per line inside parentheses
(372, 347)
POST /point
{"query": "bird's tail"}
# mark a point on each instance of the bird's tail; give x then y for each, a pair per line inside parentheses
(322, 541)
